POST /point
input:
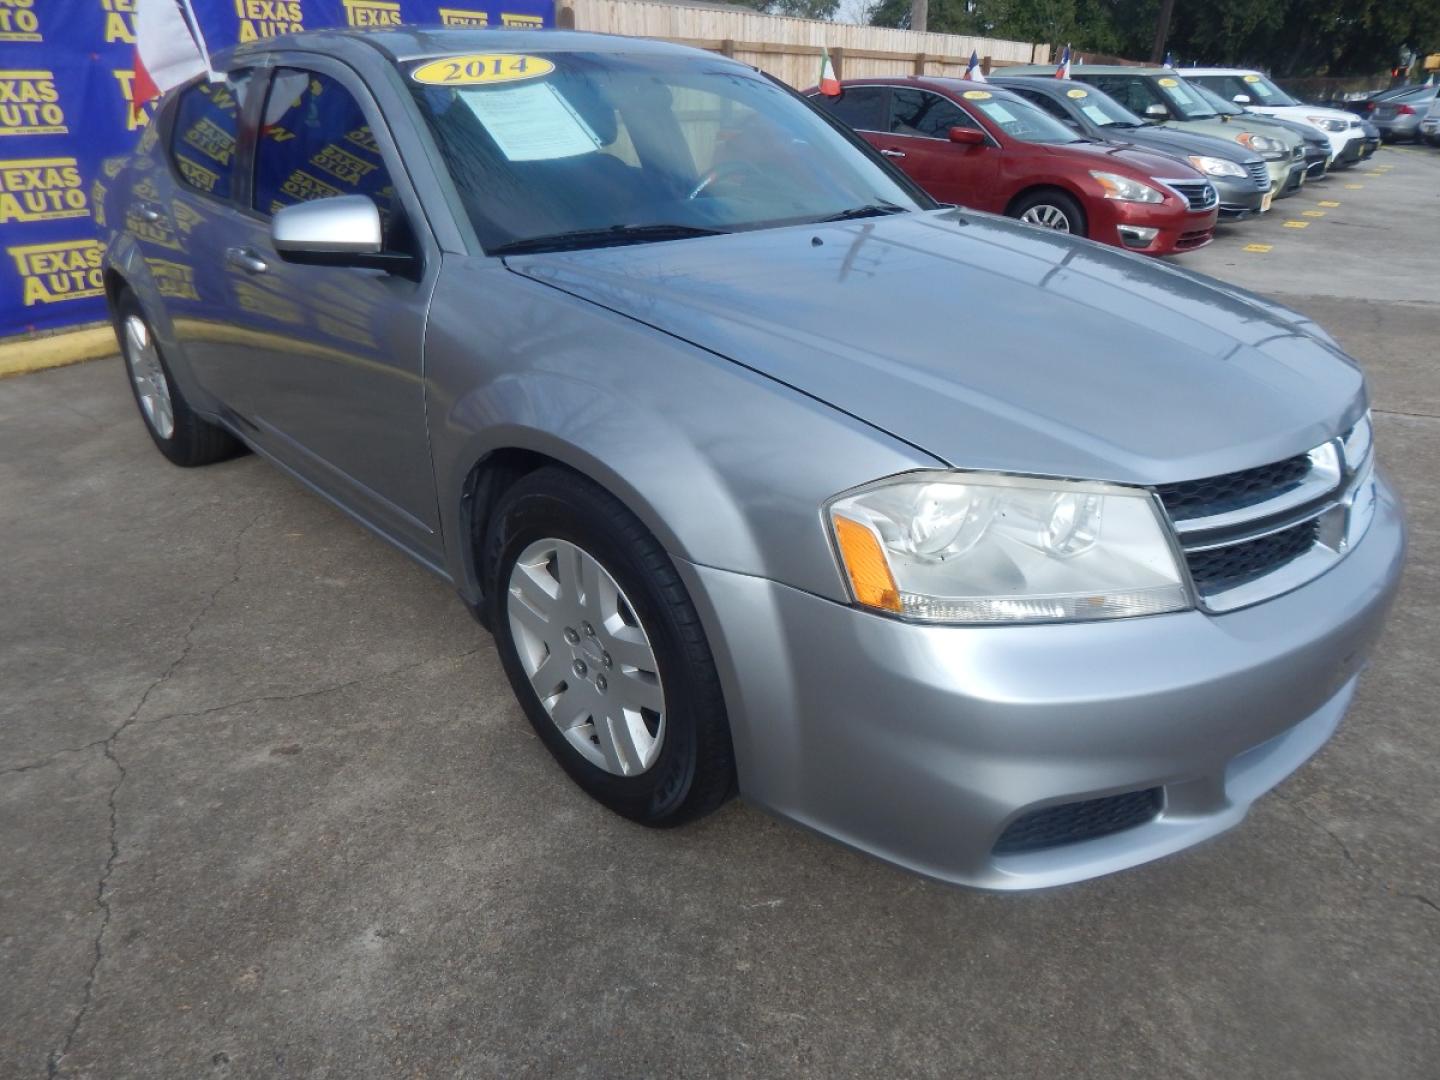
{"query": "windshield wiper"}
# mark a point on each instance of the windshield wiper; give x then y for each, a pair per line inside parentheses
(879, 209)
(611, 235)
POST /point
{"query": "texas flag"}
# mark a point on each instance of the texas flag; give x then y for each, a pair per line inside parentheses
(1063, 71)
(169, 48)
(972, 70)
(829, 84)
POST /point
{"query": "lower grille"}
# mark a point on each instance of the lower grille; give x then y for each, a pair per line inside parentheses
(1222, 568)
(1070, 823)
(1260, 173)
(1197, 238)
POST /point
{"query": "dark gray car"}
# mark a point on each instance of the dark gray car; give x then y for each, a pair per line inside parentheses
(1241, 178)
(1007, 557)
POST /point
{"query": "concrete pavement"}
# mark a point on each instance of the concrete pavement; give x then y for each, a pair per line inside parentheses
(267, 807)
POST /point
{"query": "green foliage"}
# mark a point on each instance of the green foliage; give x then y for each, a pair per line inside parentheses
(1286, 37)
(800, 9)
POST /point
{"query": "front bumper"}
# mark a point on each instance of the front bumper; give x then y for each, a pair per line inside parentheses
(1168, 228)
(921, 744)
(1239, 198)
(1287, 177)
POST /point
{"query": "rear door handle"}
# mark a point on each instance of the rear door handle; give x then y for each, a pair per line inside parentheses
(892, 153)
(245, 259)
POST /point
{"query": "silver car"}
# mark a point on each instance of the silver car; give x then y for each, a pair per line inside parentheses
(1006, 557)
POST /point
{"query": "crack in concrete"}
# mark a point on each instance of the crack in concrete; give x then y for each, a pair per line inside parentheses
(102, 897)
(1349, 855)
(1408, 415)
(50, 757)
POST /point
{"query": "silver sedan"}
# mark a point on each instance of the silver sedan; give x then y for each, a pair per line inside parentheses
(1001, 555)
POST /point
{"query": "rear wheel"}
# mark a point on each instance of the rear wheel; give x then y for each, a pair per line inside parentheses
(179, 434)
(1051, 210)
(605, 651)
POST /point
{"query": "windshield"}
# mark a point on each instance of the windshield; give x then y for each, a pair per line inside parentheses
(1259, 89)
(1210, 97)
(637, 147)
(1019, 119)
(1101, 109)
(1184, 99)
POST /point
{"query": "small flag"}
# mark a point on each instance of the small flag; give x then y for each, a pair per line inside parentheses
(972, 70)
(1063, 71)
(169, 48)
(829, 84)
(1169, 59)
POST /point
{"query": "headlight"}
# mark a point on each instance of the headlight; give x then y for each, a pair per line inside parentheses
(1268, 148)
(1125, 189)
(1325, 123)
(1215, 166)
(985, 548)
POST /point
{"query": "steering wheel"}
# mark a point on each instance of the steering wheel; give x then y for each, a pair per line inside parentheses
(723, 169)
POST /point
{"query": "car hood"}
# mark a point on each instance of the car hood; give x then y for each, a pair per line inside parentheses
(1174, 141)
(1136, 159)
(1302, 113)
(1228, 129)
(990, 344)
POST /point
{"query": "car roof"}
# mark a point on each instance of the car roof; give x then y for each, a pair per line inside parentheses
(1219, 71)
(406, 43)
(1088, 69)
(931, 82)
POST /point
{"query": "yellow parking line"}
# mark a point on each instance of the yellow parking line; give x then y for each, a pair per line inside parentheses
(1331, 203)
(1353, 187)
(1313, 213)
(1297, 224)
(1258, 248)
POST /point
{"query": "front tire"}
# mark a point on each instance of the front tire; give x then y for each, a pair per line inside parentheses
(1051, 210)
(181, 435)
(605, 651)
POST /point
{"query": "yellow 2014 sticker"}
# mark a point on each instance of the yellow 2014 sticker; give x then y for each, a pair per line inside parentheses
(1252, 78)
(1077, 93)
(1169, 82)
(977, 95)
(478, 69)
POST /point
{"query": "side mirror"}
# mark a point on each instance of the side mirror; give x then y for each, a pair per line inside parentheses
(967, 136)
(1241, 99)
(1156, 111)
(344, 230)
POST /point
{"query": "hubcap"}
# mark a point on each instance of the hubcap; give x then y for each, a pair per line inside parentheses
(1047, 217)
(587, 656)
(151, 386)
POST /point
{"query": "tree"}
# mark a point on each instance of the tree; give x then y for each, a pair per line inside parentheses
(800, 9)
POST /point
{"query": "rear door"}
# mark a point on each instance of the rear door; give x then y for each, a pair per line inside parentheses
(918, 130)
(332, 367)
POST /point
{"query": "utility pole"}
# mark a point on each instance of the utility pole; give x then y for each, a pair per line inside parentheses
(1162, 31)
(920, 14)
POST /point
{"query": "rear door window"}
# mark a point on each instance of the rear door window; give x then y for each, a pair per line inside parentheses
(859, 107)
(202, 141)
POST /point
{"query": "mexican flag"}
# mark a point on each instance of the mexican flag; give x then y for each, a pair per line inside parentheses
(829, 84)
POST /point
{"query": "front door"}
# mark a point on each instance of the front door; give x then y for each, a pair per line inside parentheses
(918, 140)
(332, 370)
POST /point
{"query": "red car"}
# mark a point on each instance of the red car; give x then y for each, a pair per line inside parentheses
(979, 146)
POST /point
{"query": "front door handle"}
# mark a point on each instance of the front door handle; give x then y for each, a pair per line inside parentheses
(245, 259)
(892, 153)
(147, 212)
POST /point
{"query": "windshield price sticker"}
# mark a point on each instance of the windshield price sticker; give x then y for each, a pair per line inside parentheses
(1169, 82)
(479, 69)
(976, 95)
(1252, 78)
(1077, 93)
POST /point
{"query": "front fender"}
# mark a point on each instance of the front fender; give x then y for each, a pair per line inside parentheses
(728, 468)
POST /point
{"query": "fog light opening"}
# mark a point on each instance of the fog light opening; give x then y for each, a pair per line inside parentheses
(1137, 236)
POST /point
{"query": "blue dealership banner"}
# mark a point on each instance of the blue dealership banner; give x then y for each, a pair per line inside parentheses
(66, 76)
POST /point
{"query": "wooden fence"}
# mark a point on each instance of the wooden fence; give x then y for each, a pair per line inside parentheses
(790, 49)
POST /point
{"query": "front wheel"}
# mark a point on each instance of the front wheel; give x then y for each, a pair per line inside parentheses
(605, 651)
(1051, 210)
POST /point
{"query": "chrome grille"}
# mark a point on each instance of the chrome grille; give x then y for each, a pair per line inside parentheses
(1259, 173)
(1200, 194)
(1255, 533)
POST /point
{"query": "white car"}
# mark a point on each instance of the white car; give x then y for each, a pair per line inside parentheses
(1258, 94)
